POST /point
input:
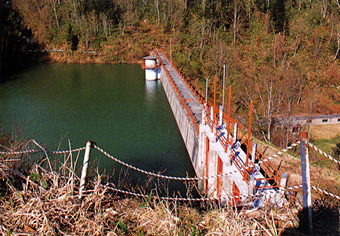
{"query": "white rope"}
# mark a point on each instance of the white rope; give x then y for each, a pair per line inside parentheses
(194, 199)
(280, 152)
(323, 153)
(159, 175)
(67, 151)
(20, 152)
(326, 192)
(37, 151)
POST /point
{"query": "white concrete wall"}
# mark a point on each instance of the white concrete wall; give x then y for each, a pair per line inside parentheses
(150, 63)
(185, 126)
(150, 74)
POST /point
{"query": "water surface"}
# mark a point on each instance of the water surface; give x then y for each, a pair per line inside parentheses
(111, 105)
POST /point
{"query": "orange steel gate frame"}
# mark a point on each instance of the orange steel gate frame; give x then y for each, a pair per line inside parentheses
(272, 174)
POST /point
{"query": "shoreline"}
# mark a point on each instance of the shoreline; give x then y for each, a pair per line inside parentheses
(83, 58)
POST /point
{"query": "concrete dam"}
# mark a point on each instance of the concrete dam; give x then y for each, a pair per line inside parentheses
(229, 165)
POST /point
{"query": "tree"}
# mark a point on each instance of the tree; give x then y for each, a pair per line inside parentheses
(278, 15)
(237, 7)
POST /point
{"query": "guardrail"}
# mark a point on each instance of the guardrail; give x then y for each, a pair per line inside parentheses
(182, 100)
(269, 170)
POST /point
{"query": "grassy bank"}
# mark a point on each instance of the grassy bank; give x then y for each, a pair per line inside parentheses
(38, 199)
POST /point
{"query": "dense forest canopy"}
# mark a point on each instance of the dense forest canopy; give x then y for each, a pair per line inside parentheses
(282, 54)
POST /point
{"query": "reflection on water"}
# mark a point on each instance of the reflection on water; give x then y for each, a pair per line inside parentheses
(150, 89)
(112, 105)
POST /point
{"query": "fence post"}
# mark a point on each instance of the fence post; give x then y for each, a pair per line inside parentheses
(235, 132)
(221, 116)
(306, 191)
(251, 185)
(84, 170)
(283, 180)
(249, 132)
(253, 153)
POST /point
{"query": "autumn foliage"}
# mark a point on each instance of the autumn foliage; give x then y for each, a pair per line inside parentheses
(282, 54)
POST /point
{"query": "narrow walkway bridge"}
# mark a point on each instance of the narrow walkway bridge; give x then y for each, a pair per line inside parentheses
(219, 147)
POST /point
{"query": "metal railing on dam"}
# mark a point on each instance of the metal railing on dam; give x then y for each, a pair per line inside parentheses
(216, 142)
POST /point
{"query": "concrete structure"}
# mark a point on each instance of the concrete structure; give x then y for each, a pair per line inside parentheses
(215, 153)
(152, 68)
(297, 122)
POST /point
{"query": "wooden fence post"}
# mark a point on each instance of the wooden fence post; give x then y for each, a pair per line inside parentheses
(306, 190)
(84, 170)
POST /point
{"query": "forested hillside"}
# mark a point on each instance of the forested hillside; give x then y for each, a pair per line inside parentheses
(282, 54)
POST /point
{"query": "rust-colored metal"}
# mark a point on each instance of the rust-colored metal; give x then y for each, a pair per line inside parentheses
(249, 132)
(206, 162)
(229, 108)
(236, 194)
(214, 115)
(270, 170)
(219, 178)
(183, 102)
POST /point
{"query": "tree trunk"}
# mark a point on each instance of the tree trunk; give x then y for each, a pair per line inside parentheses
(157, 9)
(55, 13)
(338, 42)
(235, 22)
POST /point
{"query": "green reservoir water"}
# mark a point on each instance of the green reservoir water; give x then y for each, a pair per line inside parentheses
(111, 105)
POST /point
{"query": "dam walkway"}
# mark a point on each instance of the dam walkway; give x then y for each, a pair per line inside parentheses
(219, 146)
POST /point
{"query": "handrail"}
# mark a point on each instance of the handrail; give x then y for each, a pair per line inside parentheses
(238, 163)
(196, 93)
(269, 169)
(190, 113)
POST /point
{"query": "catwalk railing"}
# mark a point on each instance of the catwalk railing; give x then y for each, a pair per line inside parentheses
(270, 171)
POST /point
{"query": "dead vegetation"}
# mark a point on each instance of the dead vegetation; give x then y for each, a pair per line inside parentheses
(37, 200)
(56, 209)
(324, 131)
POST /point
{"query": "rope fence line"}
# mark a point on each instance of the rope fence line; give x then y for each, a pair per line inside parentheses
(230, 197)
(325, 192)
(138, 169)
(159, 175)
(144, 171)
(179, 178)
(323, 153)
(280, 152)
(41, 151)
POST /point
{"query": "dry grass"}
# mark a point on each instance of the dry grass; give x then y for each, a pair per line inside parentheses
(30, 206)
(39, 201)
(324, 131)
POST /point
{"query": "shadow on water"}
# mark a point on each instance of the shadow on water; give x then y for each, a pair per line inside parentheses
(17, 49)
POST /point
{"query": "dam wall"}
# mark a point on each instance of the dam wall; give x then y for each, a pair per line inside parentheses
(186, 127)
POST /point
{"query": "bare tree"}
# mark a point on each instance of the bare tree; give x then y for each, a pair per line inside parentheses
(103, 18)
(236, 19)
(338, 41)
(54, 7)
(278, 49)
